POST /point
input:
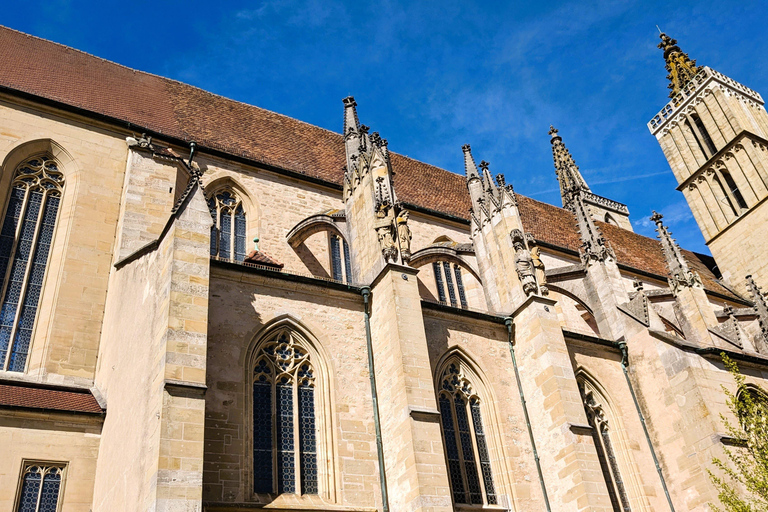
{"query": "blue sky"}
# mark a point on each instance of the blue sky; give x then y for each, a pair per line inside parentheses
(431, 76)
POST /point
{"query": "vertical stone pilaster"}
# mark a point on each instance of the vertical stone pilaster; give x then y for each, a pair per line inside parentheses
(417, 475)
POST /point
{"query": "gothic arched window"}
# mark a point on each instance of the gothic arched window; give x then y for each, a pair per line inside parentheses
(445, 276)
(40, 486)
(228, 230)
(284, 424)
(704, 135)
(340, 259)
(25, 243)
(601, 436)
(734, 189)
(466, 447)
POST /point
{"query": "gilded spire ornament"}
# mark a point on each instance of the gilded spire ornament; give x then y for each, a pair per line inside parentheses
(680, 67)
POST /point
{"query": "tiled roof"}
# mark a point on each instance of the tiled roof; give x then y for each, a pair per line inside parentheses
(34, 397)
(149, 102)
(260, 258)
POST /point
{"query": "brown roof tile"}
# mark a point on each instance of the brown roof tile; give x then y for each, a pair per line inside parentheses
(55, 72)
(74, 400)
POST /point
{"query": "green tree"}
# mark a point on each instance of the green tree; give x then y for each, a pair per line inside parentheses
(744, 484)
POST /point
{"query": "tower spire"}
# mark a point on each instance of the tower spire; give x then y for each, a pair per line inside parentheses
(568, 174)
(680, 274)
(680, 67)
(469, 163)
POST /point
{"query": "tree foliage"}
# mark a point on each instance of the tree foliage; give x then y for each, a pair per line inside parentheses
(743, 486)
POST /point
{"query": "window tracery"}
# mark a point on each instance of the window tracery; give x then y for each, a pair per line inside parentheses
(466, 447)
(605, 453)
(25, 243)
(228, 232)
(40, 487)
(284, 423)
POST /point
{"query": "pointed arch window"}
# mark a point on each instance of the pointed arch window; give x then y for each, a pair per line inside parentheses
(228, 230)
(341, 269)
(704, 135)
(40, 487)
(466, 448)
(284, 422)
(25, 244)
(735, 192)
(601, 436)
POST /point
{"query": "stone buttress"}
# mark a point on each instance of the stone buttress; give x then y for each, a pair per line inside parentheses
(379, 240)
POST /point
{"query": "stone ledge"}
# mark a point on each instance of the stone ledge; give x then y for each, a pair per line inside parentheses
(424, 414)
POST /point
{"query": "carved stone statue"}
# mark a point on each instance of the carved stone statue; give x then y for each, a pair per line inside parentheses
(386, 241)
(404, 234)
(538, 265)
(523, 263)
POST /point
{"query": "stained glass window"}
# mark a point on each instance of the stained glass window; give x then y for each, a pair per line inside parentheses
(25, 243)
(446, 289)
(40, 487)
(465, 441)
(284, 443)
(605, 454)
(228, 239)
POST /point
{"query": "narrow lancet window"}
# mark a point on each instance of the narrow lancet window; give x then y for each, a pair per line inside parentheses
(284, 442)
(449, 283)
(607, 457)
(734, 190)
(228, 238)
(25, 243)
(336, 258)
(460, 286)
(439, 281)
(704, 135)
(40, 487)
(465, 440)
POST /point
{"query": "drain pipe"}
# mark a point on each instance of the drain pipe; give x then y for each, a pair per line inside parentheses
(508, 323)
(366, 292)
(624, 364)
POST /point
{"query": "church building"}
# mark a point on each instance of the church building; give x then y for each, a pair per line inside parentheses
(208, 306)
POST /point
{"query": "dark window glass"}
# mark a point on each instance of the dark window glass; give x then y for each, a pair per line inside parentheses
(452, 451)
(336, 258)
(460, 286)
(25, 243)
(439, 281)
(696, 137)
(283, 412)
(482, 448)
(40, 488)
(347, 262)
(704, 134)
(734, 189)
(225, 235)
(449, 283)
(239, 234)
(726, 197)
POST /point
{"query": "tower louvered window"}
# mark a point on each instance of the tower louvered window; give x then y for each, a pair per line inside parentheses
(25, 243)
(40, 487)
(469, 464)
(284, 425)
(444, 281)
(228, 231)
(608, 463)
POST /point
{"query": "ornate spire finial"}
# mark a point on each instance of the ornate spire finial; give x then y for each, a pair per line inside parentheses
(469, 163)
(680, 67)
(761, 308)
(568, 174)
(351, 122)
(680, 276)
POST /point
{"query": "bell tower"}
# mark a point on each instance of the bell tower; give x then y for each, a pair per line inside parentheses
(713, 133)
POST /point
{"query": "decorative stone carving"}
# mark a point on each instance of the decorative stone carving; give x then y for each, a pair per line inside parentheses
(729, 330)
(523, 262)
(637, 307)
(404, 235)
(680, 276)
(538, 265)
(386, 240)
(761, 308)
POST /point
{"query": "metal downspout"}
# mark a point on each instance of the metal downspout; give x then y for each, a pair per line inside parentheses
(508, 323)
(366, 292)
(624, 364)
